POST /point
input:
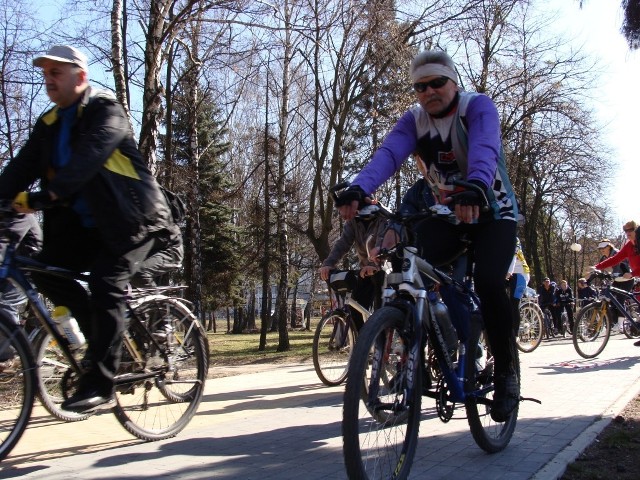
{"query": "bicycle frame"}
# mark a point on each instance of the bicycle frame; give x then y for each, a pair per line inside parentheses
(607, 296)
(409, 282)
(12, 269)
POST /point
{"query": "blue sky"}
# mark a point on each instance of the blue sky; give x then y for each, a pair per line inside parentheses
(616, 99)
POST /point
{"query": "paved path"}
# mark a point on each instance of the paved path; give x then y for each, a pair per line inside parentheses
(282, 423)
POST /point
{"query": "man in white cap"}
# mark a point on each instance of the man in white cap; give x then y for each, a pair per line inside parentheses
(103, 210)
(457, 135)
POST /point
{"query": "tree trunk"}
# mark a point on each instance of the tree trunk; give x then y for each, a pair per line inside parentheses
(118, 58)
(283, 241)
(265, 316)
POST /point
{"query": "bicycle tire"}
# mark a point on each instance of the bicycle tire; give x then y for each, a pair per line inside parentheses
(631, 330)
(564, 319)
(381, 449)
(333, 343)
(17, 384)
(530, 328)
(488, 434)
(591, 330)
(162, 404)
(53, 367)
(549, 327)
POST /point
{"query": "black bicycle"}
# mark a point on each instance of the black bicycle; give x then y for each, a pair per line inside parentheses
(336, 332)
(382, 400)
(163, 369)
(592, 327)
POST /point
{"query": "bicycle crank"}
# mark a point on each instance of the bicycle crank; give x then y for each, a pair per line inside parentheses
(444, 406)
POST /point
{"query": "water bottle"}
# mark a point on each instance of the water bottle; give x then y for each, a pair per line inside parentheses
(444, 322)
(68, 326)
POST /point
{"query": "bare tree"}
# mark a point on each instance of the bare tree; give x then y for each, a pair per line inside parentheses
(21, 99)
(552, 144)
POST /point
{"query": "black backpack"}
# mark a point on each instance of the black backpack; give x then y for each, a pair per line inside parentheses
(176, 204)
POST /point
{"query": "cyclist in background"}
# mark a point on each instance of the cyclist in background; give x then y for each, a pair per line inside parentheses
(607, 250)
(585, 292)
(547, 299)
(628, 253)
(356, 233)
(518, 277)
(29, 234)
(564, 302)
(457, 134)
(620, 263)
(166, 258)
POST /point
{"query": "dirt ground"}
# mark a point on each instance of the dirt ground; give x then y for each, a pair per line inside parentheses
(615, 454)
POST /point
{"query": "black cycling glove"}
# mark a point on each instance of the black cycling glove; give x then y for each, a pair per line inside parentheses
(470, 197)
(354, 192)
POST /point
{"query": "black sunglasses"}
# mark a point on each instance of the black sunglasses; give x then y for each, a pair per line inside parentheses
(629, 229)
(421, 87)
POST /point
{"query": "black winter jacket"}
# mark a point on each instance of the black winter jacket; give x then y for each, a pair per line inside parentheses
(105, 168)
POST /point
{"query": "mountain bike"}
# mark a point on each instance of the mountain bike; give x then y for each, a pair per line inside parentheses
(592, 327)
(530, 328)
(336, 333)
(380, 433)
(164, 364)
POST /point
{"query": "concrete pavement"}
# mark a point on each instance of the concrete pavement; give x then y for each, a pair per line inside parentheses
(282, 423)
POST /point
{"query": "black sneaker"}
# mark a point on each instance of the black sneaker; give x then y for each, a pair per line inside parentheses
(88, 400)
(637, 343)
(505, 397)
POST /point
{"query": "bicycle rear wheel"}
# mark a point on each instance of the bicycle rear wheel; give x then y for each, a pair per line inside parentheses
(157, 400)
(332, 346)
(55, 377)
(381, 445)
(529, 333)
(17, 383)
(592, 329)
(489, 435)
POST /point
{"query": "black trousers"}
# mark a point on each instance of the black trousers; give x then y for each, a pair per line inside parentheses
(100, 311)
(492, 246)
(368, 293)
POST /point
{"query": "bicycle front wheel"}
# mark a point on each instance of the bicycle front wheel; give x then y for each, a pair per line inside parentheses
(157, 400)
(55, 377)
(17, 383)
(381, 445)
(332, 346)
(488, 434)
(529, 333)
(592, 329)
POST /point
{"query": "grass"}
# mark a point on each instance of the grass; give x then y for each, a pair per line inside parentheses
(242, 348)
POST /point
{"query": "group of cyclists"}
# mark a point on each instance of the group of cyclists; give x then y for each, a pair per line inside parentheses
(104, 212)
(556, 299)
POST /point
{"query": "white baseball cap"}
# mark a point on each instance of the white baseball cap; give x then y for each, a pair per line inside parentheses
(64, 54)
